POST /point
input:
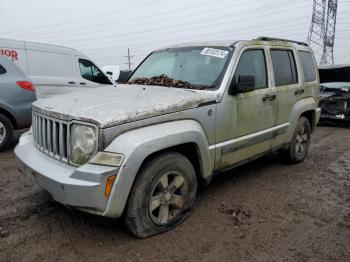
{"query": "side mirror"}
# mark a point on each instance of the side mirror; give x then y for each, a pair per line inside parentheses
(245, 83)
(109, 73)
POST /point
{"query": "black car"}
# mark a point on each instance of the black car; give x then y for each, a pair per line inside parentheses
(335, 101)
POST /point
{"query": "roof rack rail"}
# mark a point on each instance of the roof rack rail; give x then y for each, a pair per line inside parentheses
(265, 38)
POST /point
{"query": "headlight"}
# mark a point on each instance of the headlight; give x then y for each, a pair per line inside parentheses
(82, 143)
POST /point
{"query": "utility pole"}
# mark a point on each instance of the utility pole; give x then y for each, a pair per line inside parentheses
(328, 45)
(129, 60)
(322, 30)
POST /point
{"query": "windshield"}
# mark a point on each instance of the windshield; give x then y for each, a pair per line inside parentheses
(194, 67)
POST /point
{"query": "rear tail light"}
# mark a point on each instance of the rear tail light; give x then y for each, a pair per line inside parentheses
(26, 85)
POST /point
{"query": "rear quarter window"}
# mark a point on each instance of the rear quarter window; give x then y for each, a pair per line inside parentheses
(308, 66)
(2, 70)
(284, 67)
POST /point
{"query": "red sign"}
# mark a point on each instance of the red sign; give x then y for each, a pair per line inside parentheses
(9, 53)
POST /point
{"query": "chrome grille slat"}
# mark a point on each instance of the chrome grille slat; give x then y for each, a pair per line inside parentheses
(54, 125)
(61, 141)
(48, 136)
(51, 136)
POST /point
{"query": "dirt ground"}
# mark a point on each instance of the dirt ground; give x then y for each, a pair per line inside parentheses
(286, 213)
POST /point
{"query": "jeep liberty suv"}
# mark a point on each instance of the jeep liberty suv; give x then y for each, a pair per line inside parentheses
(187, 112)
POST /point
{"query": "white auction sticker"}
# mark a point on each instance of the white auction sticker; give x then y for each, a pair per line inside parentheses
(214, 52)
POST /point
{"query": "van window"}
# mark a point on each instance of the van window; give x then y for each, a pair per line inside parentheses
(91, 72)
(2, 70)
(308, 66)
(252, 62)
(284, 67)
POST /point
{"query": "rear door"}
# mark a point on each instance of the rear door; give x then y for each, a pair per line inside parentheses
(51, 72)
(289, 88)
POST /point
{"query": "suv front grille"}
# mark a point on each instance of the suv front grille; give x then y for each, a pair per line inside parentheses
(51, 136)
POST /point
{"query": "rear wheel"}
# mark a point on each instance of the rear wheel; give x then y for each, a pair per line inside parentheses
(162, 196)
(299, 146)
(6, 132)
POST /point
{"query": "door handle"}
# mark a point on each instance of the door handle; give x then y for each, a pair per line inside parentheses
(82, 83)
(299, 91)
(269, 97)
(71, 82)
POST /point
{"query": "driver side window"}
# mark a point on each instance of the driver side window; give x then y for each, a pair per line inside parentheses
(91, 72)
(252, 63)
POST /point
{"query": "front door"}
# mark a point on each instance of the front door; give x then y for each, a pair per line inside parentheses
(253, 113)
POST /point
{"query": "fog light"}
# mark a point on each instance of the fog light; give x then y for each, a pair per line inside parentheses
(340, 116)
(107, 159)
(109, 185)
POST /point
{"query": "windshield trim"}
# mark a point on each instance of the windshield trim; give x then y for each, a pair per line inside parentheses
(217, 85)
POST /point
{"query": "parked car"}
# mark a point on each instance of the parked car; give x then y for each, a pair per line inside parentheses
(335, 93)
(53, 69)
(17, 94)
(123, 76)
(188, 112)
(335, 101)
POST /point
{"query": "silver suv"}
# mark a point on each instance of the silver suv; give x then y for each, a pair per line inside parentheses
(186, 113)
(17, 94)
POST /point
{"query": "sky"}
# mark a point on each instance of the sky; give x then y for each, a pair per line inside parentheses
(105, 29)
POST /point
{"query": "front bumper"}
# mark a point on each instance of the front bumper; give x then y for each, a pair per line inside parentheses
(81, 187)
(338, 117)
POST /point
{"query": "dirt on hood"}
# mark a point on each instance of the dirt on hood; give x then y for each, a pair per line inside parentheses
(112, 106)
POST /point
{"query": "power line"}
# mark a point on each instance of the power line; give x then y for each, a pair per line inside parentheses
(276, 22)
(84, 18)
(179, 25)
(145, 53)
(131, 19)
(218, 34)
(248, 11)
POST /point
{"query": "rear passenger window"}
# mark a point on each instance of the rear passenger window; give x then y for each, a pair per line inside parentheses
(308, 66)
(284, 67)
(252, 62)
(2, 70)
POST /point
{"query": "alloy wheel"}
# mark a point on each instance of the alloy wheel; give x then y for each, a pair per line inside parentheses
(168, 198)
(301, 141)
(2, 132)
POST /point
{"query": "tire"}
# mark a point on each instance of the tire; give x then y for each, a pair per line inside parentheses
(6, 132)
(156, 206)
(300, 143)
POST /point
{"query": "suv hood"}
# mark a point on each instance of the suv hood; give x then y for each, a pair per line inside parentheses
(111, 106)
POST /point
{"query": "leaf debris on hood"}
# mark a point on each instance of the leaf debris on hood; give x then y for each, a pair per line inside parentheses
(164, 80)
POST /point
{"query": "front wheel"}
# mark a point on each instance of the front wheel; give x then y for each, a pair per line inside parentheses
(6, 132)
(300, 143)
(162, 196)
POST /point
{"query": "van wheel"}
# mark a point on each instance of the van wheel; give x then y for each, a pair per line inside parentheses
(162, 196)
(6, 132)
(300, 143)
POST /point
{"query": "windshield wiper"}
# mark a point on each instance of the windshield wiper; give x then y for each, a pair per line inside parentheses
(164, 80)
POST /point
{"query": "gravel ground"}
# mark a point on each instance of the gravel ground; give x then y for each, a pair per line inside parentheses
(263, 211)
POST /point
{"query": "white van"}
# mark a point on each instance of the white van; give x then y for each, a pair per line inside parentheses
(53, 69)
